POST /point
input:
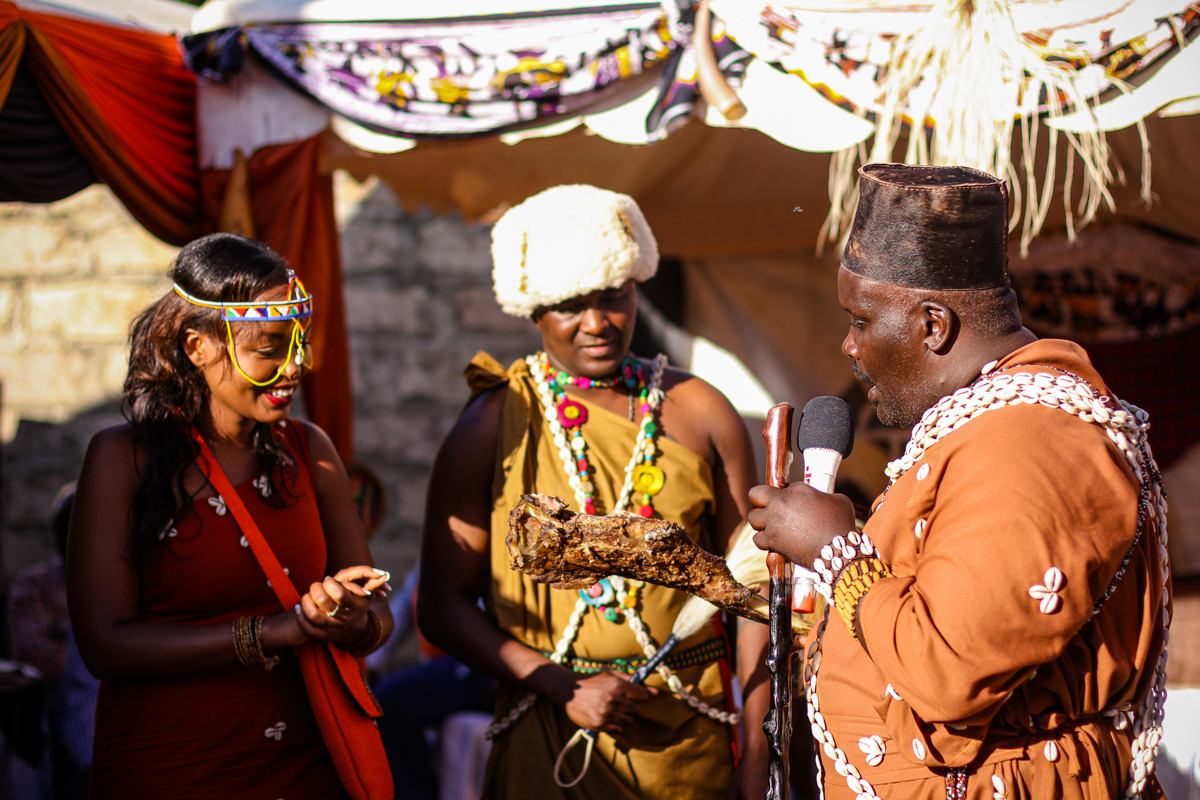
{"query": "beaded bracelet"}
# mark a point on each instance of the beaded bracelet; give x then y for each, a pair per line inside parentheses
(239, 641)
(374, 636)
(247, 640)
(851, 586)
(836, 555)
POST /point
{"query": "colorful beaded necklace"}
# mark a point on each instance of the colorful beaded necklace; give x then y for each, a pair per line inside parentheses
(564, 413)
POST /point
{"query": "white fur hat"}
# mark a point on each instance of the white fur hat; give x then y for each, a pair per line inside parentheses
(568, 241)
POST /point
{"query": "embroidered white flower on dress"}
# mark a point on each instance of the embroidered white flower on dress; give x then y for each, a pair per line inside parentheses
(271, 663)
(1047, 591)
(218, 504)
(1001, 792)
(168, 531)
(874, 749)
(263, 485)
(276, 731)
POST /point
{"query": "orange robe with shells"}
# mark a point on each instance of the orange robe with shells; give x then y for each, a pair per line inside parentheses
(989, 680)
(671, 750)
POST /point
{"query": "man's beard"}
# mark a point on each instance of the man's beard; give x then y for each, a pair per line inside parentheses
(902, 411)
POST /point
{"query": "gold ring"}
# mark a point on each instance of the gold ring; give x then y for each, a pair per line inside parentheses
(332, 614)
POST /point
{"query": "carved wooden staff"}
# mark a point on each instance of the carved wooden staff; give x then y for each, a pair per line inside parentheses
(778, 724)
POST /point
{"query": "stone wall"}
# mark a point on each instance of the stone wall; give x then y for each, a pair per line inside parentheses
(419, 306)
(73, 274)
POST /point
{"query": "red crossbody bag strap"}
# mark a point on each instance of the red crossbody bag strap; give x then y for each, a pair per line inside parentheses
(280, 582)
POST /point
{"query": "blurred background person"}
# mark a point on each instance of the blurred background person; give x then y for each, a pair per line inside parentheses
(418, 699)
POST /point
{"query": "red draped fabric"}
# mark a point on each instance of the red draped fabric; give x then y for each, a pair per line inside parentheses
(126, 101)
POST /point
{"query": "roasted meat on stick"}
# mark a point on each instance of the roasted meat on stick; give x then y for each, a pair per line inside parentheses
(554, 545)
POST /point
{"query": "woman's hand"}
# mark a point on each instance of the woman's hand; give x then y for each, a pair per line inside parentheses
(335, 610)
(281, 631)
(607, 702)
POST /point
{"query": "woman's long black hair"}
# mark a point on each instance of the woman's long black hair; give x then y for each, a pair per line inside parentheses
(165, 393)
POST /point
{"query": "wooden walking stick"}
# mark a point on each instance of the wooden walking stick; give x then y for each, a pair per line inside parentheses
(778, 724)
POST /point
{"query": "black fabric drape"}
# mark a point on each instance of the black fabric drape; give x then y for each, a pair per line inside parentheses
(38, 162)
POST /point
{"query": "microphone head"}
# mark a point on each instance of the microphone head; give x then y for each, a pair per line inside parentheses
(827, 422)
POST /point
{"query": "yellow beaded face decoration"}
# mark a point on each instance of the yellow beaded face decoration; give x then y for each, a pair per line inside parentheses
(298, 307)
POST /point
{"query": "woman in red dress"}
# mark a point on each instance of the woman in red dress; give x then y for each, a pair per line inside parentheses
(199, 697)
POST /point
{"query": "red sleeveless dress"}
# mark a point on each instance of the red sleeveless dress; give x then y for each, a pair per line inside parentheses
(241, 732)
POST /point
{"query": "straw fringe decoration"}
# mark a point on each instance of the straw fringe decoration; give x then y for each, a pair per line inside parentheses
(968, 77)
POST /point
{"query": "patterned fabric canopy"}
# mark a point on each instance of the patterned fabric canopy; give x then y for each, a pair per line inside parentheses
(475, 75)
(844, 50)
(967, 82)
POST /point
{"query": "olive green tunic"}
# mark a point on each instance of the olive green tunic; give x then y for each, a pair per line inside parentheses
(671, 751)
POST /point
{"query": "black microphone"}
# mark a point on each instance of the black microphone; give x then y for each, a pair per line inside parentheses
(825, 437)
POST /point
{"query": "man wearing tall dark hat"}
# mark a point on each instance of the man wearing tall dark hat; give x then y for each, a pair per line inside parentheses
(998, 628)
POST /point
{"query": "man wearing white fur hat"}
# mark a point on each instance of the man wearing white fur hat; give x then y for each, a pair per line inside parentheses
(587, 421)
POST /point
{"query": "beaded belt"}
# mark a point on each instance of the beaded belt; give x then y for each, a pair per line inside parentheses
(703, 653)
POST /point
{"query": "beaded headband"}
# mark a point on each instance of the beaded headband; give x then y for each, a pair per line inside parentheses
(297, 306)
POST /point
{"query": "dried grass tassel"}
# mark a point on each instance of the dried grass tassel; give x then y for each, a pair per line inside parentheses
(960, 84)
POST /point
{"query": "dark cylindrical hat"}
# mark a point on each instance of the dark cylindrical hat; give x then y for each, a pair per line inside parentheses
(930, 227)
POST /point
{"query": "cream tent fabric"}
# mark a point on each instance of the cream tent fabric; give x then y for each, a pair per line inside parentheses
(715, 192)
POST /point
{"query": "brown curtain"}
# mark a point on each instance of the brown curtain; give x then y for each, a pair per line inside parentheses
(292, 204)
